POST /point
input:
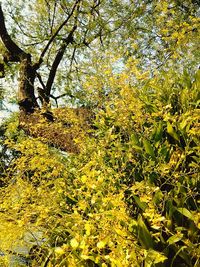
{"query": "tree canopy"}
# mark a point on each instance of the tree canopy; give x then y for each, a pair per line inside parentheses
(61, 37)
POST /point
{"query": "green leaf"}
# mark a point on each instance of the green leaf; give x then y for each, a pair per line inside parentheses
(182, 248)
(134, 139)
(153, 257)
(175, 238)
(144, 234)
(172, 132)
(158, 197)
(141, 205)
(183, 124)
(158, 132)
(164, 152)
(185, 212)
(148, 148)
(135, 142)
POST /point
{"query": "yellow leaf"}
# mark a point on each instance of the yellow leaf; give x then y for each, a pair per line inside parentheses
(59, 251)
(74, 243)
(101, 244)
(87, 228)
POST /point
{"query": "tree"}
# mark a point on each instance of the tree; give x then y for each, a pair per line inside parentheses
(83, 22)
(61, 31)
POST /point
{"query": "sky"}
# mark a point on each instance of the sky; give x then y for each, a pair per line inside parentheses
(6, 111)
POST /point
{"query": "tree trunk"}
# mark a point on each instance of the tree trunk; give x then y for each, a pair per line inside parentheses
(26, 96)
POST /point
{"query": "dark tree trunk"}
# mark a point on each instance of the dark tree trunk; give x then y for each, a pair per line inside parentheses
(26, 97)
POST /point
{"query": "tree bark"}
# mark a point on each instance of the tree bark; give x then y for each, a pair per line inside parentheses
(26, 97)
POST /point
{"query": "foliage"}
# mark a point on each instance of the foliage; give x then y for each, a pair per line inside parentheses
(129, 198)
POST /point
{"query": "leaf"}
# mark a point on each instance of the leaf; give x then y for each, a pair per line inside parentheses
(158, 132)
(164, 152)
(74, 243)
(88, 228)
(148, 148)
(101, 244)
(186, 213)
(158, 197)
(59, 251)
(135, 142)
(172, 132)
(153, 257)
(137, 148)
(71, 200)
(177, 253)
(141, 205)
(134, 139)
(175, 238)
(144, 234)
(183, 124)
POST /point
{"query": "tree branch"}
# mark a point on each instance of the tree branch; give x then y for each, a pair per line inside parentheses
(40, 80)
(56, 33)
(57, 60)
(54, 15)
(72, 59)
(11, 46)
(60, 96)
